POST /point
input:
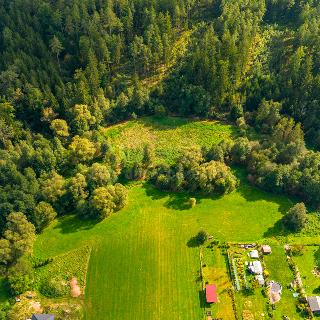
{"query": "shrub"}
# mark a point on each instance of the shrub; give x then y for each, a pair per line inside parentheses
(296, 217)
(54, 287)
(192, 202)
(201, 237)
(297, 250)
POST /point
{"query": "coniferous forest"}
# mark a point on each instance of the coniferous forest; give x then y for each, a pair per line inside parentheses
(70, 67)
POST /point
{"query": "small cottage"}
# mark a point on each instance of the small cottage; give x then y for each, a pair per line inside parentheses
(314, 304)
(266, 249)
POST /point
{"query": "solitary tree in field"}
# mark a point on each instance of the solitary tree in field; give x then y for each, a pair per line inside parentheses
(56, 47)
(296, 217)
(201, 237)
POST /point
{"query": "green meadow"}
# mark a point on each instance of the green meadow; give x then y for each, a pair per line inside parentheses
(169, 136)
(143, 263)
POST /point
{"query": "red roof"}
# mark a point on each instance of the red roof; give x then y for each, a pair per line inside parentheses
(211, 293)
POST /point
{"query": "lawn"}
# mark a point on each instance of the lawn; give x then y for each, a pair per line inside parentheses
(169, 135)
(279, 271)
(142, 264)
(306, 264)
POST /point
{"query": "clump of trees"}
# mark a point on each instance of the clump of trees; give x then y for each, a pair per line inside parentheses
(105, 200)
(296, 218)
(193, 173)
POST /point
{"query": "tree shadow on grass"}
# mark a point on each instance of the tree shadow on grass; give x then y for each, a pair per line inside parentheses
(277, 230)
(252, 193)
(193, 242)
(177, 200)
(72, 224)
(202, 300)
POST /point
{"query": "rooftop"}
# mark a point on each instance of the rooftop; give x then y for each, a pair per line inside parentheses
(254, 254)
(266, 248)
(211, 293)
(314, 303)
(42, 317)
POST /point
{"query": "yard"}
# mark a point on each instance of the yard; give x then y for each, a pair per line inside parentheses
(215, 272)
(279, 271)
(306, 263)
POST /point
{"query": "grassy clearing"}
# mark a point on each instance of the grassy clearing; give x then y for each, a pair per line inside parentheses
(279, 271)
(306, 264)
(169, 135)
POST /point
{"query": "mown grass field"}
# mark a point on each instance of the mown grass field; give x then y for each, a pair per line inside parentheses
(142, 264)
(279, 271)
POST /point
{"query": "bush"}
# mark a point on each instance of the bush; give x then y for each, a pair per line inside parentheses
(297, 250)
(296, 217)
(160, 111)
(201, 237)
(192, 202)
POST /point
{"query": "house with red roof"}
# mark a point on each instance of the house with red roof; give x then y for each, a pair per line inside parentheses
(211, 293)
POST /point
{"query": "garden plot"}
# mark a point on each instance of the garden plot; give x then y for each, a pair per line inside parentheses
(215, 271)
(250, 302)
(278, 270)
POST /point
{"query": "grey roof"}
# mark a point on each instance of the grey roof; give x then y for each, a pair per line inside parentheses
(275, 287)
(42, 317)
(314, 303)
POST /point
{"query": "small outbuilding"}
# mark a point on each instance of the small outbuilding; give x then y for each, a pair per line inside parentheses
(42, 317)
(211, 293)
(266, 249)
(254, 254)
(314, 304)
(255, 267)
(275, 287)
(260, 279)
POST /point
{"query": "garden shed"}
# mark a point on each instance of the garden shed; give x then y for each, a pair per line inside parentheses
(254, 254)
(255, 267)
(211, 293)
(314, 304)
(266, 249)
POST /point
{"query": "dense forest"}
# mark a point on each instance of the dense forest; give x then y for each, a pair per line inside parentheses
(69, 67)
